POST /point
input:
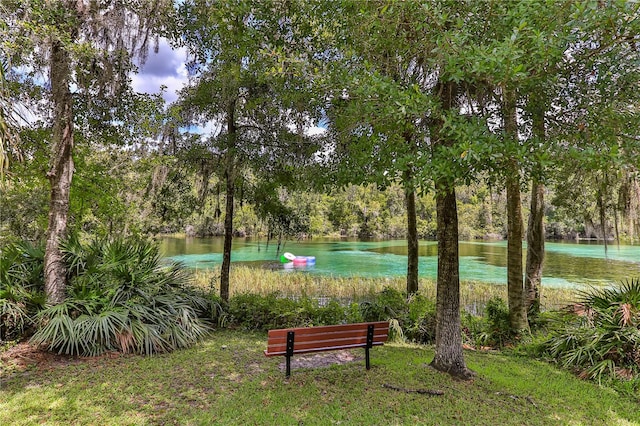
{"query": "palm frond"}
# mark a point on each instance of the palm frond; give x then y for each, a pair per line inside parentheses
(58, 334)
(99, 332)
(13, 317)
(605, 340)
(121, 297)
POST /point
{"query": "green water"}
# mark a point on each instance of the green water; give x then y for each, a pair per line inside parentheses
(566, 264)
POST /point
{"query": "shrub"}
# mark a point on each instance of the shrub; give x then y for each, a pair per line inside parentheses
(387, 304)
(257, 312)
(13, 317)
(600, 336)
(353, 313)
(22, 264)
(218, 310)
(332, 313)
(121, 297)
(420, 322)
(474, 329)
(253, 311)
(413, 318)
(21, 287)
(498, 331)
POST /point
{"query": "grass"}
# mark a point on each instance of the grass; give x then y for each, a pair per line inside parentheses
(227, 380)
(473, 294)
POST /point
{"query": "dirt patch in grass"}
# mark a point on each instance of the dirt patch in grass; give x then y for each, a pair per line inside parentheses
(325, 359)
(24, 356)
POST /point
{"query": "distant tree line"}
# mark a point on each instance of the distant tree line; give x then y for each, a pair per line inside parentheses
(167, 199)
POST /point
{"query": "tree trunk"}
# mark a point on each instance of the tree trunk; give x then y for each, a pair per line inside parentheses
(228, 212)
(412, 237)
(601, 202)
(448, 356)
(535, 248)
(60, 174)
(535, 225)
(487, 207)
(448, 351)
(515, 287)
(515, 284)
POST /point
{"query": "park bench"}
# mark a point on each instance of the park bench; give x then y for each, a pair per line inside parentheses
(289, 341)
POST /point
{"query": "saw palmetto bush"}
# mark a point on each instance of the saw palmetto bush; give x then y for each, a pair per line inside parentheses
(21, 287)
(122, 297)
(600, 337)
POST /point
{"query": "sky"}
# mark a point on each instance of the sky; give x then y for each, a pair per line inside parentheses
(167, 67)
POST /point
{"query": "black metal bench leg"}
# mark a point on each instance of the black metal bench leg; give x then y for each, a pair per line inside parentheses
(290, 337)
(366, 357)
(369, 344)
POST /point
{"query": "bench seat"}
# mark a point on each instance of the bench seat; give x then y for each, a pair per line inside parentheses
(289, 341)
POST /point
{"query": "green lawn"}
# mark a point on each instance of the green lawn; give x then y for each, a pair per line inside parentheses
(228, 380)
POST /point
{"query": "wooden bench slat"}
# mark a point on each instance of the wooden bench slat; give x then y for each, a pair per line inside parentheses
(308, 337)
(327, 329)
(328, 348)
(331, 343)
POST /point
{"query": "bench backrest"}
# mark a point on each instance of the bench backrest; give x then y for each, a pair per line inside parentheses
(326, 338)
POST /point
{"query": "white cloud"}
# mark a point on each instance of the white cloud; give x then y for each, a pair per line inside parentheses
(151, 85)
(315, 130)
(163, 68)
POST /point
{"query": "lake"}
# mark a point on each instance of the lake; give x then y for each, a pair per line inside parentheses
(566, 264)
